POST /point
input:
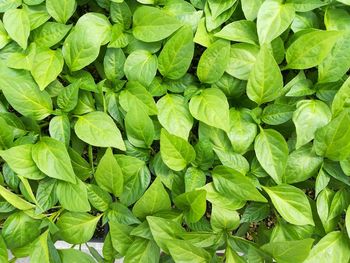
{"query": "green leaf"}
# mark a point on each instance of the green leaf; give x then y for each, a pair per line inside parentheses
(81, 47)
(182, 251)
(341, 97)
(142, 250)
(175, 58)
(141, 66)
(311, 48)
(15, 200)
(47, 65)
(231, 183)
(61, 11)
(74, 256)
(136, 178)
(151, 24)
(51, 157)
(176, 152)
(242, 60)
(50, 34)
(19, 158)
(77, 228)
(98, 198)
(3, 250)
(211, 107)
(164, 230)
(334, 243)
(23, 94)
(174, 115)
(136, 95)
(213, 62)
(193, 203)
(331, 140)
(98, 129)
(265, 80)
(109, 175)
(154, 200)
(194, 178)
(40, 250)
(19, 230)
(59, 129)
(289, 251)
(302, 164)
(73, 197)
(46, 195)
(224, 219)
(120, 237)
(14, 17)
(274, 17)
(139, 128)
(242, 131)
(291, 203)
(239, 31)
(309, 116)
(271, 151)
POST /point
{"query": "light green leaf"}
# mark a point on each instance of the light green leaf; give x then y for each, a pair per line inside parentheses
(309, 116)
(136, 95)
(239, 31)
(109, 175)
(224, 219)
(47, 65)
(271, 151)
(77, 228)
(341, 98)
(213, 62)
(211, 107)
(151, 24)
(265, 80)
(59, 129)
(311, 48)
(334, 243)
(23, 94)
(142, 250)
(141, 66)
(74, 256)
(193, 204)
(176, 55)
(233, 184)
(174, 115)
(20, 160)
(274, 17)
(154, 200)
(332, 141)
(73, 197)
(62, 10)
(139, 128)
(15, 200)
(17, 25)
(185, 252)
(51, 157)
(176, 152)
(242, 60)
(302, 164)
(98, 129)
(50, 34)
(291, 203)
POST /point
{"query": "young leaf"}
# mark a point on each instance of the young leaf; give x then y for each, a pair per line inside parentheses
(211, 107)
(109, 175)
(291, 203)
(176, 152)
(271, 151)
(98, 129)
(176, 55)
(154, 200)
(52, 159)
(265, 80)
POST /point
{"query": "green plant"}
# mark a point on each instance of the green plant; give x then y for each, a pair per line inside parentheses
(176, 128)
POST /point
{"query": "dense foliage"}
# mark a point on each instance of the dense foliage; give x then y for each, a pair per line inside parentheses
(175, 131)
